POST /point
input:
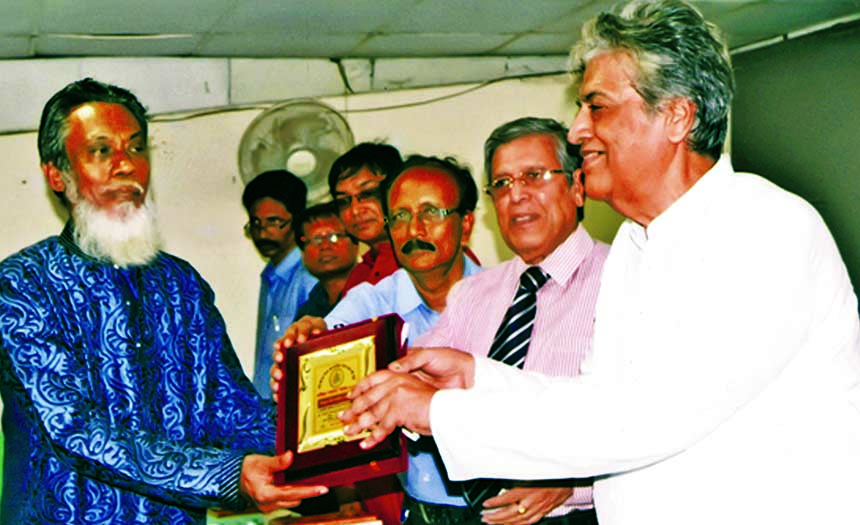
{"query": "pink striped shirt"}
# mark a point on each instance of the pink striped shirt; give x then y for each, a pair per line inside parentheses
(564, 321)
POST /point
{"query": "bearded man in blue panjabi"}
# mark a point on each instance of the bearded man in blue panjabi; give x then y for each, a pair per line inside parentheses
(124, 401)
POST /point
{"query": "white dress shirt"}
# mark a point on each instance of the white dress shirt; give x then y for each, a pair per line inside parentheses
(723, 383)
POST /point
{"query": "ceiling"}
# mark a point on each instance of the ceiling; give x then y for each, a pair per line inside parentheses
(354, 28)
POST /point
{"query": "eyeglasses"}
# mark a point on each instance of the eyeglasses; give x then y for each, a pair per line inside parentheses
(270, 224)
(318, 240)
(345, 201)
(530, 178)
(428, 216)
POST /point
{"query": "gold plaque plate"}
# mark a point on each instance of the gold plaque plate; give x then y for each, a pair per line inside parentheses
(326, 378)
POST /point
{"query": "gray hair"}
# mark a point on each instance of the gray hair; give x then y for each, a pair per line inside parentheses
(566, 153)
(677, 54)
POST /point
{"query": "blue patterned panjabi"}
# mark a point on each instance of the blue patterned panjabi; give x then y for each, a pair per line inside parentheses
(124, 401)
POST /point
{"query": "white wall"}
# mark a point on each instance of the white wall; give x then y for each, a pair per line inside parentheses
(198, 190)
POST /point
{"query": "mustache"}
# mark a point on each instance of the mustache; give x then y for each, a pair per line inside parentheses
(124, 186)
(417, 244)
(263, 244)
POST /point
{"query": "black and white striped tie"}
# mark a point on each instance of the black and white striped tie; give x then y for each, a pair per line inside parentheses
(510, 346)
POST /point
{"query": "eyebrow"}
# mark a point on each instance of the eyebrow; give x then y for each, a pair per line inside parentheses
(133, 136)
(368, 182)
(529, 167)
(588, 97)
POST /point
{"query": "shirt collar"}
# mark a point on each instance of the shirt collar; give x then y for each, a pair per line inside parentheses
(408, 298)
(561, 264)
(286, 268)
(372, 254)
(696, 201)
(67, 239)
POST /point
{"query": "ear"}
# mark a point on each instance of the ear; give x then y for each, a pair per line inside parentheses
(468, 223)
(680, 115)
(577, 190)
(54, 177)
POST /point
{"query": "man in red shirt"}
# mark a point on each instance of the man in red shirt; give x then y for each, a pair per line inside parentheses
(354, 181)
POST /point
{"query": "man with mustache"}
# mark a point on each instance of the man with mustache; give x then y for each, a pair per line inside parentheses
(355, 181)
(428, 208)
(124, 401)
(274, 200)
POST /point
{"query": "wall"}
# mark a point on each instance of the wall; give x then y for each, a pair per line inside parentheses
(198, 189)
(796, 121)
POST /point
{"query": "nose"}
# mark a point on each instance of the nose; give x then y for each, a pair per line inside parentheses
(416, 225)
(518, 190)
(356, 206)
(122, 164)
(347, 213)
(580, 128)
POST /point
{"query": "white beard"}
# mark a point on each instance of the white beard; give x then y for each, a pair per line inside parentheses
(127, 236)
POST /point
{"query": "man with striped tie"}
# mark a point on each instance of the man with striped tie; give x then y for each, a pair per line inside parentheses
(535, 311)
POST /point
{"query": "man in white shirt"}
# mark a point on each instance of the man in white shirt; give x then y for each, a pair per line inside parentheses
(723, 384)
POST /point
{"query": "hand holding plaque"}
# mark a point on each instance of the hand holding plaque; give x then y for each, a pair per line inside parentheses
(401, 395)
(316, 379)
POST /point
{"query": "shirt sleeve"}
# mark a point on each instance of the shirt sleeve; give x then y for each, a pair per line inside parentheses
(362, 302)
(762, 319)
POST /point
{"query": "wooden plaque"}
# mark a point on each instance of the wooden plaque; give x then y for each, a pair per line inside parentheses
(317, 377)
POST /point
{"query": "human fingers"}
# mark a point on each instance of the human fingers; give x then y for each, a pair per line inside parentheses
(403, 402)
(504, 498)
(370, 382)
(441, 367)
(275, 372)
(515, 513)
(287, 496)
(366, 393)
(300, 331)
(523, 505)
(377, 435)
(257, 482)
(415, 359)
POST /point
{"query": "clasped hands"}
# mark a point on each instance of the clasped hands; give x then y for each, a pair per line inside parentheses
(400, 396)
(397, 397)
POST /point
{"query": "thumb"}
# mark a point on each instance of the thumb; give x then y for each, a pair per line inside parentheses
(414, 360)
(283, 461)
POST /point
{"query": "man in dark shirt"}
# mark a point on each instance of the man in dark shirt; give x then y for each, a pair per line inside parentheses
(328, 253)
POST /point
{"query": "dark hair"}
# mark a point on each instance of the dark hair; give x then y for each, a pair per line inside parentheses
(318, 211)
(381, 159)
(677, 54)
(466, 187)
(280, 185)
(566, 153)
(53, 126)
